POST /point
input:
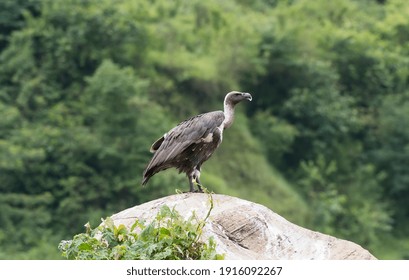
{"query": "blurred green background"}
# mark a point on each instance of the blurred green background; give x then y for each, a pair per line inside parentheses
(87, 86)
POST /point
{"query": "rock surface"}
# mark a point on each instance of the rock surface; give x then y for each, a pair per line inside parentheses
(246, 230)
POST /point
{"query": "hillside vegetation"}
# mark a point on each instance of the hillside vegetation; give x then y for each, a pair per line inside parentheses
(87, 86)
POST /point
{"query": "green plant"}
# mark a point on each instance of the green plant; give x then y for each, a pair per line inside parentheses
(168, 237)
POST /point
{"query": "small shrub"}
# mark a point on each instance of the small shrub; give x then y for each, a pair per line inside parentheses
(168, 237)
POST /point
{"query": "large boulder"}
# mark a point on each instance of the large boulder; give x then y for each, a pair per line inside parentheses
(246, 230)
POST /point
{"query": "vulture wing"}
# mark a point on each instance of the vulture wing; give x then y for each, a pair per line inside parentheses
(173, 143)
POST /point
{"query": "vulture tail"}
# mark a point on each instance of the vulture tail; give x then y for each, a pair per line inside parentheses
(148, 173)
(145, 180)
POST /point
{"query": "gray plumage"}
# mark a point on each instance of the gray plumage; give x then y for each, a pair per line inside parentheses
(188, 145)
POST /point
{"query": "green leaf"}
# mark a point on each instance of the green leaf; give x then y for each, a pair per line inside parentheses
(84, 247)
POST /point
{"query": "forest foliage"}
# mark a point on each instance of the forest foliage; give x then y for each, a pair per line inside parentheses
(87, 85)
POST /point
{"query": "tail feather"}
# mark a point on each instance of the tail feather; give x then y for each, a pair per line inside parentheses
(145, 180)
(147, 174)
(152, 170)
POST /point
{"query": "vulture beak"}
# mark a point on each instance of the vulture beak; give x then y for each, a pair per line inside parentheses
(248, 96)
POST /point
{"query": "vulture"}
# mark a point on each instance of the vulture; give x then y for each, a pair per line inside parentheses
(188, 145)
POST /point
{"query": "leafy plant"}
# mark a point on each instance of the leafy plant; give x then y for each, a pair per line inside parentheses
(168, 237)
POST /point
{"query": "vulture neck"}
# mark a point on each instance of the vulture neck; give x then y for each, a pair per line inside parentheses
(228, 114)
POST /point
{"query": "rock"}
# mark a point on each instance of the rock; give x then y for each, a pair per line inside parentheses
(246, 230)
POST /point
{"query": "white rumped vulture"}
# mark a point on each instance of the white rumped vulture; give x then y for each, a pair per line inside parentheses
(193, 141)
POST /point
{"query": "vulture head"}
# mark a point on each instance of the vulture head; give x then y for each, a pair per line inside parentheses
(231, 99)
(234, 97)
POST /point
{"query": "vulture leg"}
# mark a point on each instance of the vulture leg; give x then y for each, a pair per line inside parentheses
(191, 182)
(199, 185)
(196, 177)
(194, 180)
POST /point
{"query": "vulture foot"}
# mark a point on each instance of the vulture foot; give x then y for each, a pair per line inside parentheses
(198, 191)
(194, 191)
